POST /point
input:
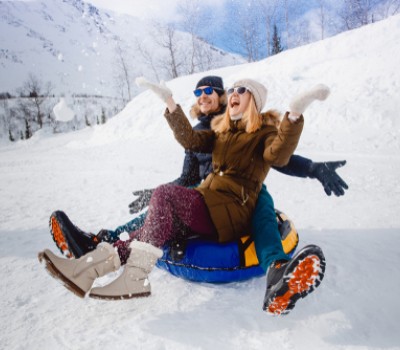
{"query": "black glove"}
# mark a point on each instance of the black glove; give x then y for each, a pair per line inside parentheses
(105, 236)
(326, 174)
(141, 202)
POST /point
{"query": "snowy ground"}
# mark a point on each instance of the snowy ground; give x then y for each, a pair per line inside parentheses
(90, 174)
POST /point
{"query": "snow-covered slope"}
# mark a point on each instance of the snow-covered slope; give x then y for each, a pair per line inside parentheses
(90, 174)
(73, 44)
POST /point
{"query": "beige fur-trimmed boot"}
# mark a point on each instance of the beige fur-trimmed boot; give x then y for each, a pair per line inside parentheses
(78, 275)
(133, 282)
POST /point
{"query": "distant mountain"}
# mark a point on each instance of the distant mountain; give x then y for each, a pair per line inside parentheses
(73, 44)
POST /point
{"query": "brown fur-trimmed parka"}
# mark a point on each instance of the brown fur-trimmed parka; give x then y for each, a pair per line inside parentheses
(241, 162)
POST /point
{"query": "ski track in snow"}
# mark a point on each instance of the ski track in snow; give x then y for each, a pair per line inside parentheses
(90, 174)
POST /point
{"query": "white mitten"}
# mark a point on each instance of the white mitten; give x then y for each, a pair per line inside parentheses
(161, 90)
(300, 103)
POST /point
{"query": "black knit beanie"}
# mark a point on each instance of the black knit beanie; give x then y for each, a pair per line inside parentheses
(213, 81)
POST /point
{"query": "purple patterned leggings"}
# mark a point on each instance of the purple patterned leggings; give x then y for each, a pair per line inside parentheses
(173, 211)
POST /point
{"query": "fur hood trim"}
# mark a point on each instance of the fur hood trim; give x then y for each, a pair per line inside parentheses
(215, 122)
(271, 117)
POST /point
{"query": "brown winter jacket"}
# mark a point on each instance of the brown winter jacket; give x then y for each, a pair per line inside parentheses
(241, 162)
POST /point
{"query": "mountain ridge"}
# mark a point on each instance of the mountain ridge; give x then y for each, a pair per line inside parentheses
(73, 44)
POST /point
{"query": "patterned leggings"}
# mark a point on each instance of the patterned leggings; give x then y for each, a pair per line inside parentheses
(174, 211)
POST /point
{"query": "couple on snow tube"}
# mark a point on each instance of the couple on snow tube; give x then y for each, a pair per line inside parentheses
(197, 166)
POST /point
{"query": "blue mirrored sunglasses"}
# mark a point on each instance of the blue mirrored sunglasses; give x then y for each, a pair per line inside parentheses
(240, 90)
(207, 90)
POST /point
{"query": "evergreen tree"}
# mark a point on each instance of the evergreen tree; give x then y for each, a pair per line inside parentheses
(276, 42)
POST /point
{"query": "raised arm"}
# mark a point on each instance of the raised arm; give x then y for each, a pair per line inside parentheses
(277, 152)
(324, 172)
(198, 141)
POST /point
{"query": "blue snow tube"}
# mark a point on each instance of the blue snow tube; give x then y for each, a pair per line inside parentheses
(200, 260)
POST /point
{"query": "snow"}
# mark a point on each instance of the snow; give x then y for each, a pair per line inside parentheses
(90, 175)
(62, 112)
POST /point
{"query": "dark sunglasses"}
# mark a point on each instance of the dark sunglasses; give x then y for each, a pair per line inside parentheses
(240, 90)
(207, 90)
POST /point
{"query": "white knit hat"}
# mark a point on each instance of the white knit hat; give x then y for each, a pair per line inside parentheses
(258, 90)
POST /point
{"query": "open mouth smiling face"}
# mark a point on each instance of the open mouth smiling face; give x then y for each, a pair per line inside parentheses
(238, 102)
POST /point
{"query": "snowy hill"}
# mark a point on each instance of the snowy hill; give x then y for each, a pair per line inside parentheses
(73, 44)
(90, 174)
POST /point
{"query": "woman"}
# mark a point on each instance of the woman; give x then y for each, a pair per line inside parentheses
(244, 146)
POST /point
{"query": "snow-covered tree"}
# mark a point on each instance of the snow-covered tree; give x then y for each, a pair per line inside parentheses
(34, 92)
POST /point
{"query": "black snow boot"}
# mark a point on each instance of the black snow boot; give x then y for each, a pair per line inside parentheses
(288, 281)
(70, 239)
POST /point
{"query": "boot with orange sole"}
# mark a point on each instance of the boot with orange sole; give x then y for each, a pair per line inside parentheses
(289, 281)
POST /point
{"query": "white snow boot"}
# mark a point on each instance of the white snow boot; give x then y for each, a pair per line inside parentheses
(133, 282)
(78, 275)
